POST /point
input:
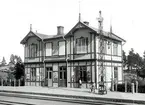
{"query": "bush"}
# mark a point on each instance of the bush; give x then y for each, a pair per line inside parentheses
(121, 87)
(141, 89)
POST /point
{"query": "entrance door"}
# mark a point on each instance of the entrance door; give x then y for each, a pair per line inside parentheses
(62, 76)
(49, 76)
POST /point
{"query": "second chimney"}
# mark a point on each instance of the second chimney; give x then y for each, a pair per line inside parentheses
(86, 22)
(60, 30)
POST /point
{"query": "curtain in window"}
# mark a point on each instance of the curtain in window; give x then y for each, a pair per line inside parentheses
(81, 45)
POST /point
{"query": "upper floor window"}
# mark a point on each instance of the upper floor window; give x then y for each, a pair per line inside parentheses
(62, 48)
(115, 49)
(81, 45)
(48, 49)
(33, 50)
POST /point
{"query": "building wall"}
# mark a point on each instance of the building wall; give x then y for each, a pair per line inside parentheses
(90, 60)
(34, 40)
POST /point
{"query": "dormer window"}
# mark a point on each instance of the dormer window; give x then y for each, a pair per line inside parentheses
(81, 45)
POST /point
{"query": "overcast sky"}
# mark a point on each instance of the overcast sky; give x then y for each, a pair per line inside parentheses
(127, 16)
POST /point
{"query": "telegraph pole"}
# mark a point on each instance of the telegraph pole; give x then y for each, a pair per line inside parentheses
(101, 56)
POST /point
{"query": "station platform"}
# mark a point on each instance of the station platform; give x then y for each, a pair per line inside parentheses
(138, 98)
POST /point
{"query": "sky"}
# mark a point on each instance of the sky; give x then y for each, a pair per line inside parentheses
(126, 16)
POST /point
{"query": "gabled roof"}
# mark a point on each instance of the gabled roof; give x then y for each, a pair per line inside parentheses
(106, 34)
(40, 36)
(77, 26)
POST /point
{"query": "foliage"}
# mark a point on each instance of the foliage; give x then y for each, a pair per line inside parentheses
(3, 62)
(124, 58)
(19, 70)
(14, 59)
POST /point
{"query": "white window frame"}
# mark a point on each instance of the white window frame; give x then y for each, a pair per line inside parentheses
(48, 49)
(115, 49)
(61, 46)
(82, 45)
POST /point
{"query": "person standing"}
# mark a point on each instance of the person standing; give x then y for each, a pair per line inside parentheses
(80, 83)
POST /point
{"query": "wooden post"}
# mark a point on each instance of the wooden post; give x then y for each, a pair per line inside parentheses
(125, 86)
(19, 82)
(132, 87)
(116, 85)
(136, 86)
(14, 82)
(2, 82)
(10, 82)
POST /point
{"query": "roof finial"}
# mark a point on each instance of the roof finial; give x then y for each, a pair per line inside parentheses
(79, 11)
(111, 25)
(79, 16)
(30, 27)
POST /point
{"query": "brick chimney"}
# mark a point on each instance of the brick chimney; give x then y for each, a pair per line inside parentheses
(60, 30)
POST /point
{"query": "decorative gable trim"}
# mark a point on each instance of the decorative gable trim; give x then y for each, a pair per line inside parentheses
(30, 34)
(77, 26)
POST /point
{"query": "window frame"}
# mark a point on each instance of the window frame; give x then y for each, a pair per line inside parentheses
(116, 72)
(51, 49)
(81, 45)
(33, 50)
(115, 49)
(33, 74)
(83, 73)
(59, 48)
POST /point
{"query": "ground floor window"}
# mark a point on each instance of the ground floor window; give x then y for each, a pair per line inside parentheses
(82, 73)
(63, 74)
(33, 74)
(116, 73)
(49, 72)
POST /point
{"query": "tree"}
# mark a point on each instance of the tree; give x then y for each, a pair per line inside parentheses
(130, 60)
(3, 61)
(19, 70)
(124, 58)
(12, 59)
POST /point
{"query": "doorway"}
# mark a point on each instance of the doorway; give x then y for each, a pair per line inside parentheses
(49, 76)
(62, 76)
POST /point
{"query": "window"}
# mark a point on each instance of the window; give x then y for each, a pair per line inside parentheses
(81, 45)
(33, 74)
(48, 50)
(62, 48)
(83, 73)
(115, 49)
(116, 73)
(63, 74)
(49, 72)
(33, 50)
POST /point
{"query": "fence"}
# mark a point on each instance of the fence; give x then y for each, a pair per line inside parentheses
(129, 87)
(12, 82)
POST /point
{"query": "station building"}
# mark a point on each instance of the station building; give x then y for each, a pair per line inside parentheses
(60, 60)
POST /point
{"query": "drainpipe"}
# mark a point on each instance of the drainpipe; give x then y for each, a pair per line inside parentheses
(43, 57)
